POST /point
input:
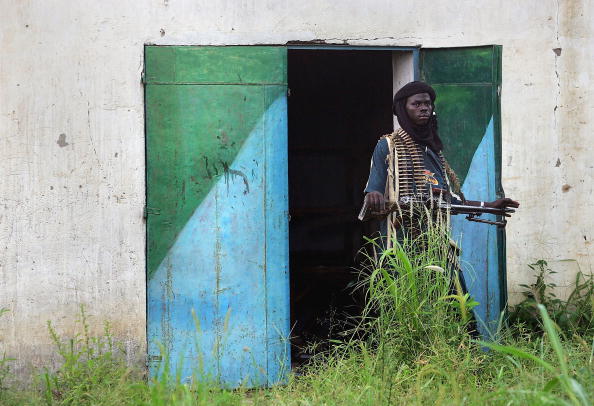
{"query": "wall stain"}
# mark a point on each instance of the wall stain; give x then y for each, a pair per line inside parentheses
(167, 297)
(224, 138)
(62, 141)
(208, 173)
(234, 172)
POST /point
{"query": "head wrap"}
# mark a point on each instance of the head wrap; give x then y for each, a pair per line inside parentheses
(427, 134)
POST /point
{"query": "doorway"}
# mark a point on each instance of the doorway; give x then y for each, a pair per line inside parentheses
(339, 104)
(217, 191)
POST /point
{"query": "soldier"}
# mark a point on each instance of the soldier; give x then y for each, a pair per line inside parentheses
(410, 161)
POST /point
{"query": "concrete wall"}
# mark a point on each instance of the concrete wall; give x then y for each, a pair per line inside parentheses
(72, 134)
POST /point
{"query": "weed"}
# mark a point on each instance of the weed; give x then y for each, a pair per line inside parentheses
(4, 363)
(573, 316)
(572, 388)
(89, 366)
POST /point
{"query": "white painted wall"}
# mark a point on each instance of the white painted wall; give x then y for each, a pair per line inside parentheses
(71, 227)
(403, 72)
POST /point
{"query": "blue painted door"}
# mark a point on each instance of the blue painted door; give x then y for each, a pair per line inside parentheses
(217, 232)
(467, 82)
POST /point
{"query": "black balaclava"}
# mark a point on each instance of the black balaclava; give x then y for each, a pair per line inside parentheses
(423, 134)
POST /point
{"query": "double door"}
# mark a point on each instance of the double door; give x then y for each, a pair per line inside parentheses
(217, 201)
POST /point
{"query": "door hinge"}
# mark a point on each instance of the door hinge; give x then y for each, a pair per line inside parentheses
(154, 358)
(150, 210)
(142, 78)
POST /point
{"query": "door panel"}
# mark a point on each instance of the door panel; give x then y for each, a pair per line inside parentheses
(217, 256)
(467, 83)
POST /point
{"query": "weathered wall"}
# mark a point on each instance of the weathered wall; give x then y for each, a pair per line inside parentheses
(72, 135)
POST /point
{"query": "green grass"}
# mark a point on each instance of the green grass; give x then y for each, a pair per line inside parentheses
(412, 345)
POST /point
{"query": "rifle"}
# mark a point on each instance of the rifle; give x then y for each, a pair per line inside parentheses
(432, 202)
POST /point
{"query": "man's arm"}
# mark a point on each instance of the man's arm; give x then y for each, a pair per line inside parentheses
(496, 204)
(378, 173)
(502, 203)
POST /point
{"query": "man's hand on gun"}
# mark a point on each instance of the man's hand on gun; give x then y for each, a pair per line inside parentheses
(503, 203)
(376, 202)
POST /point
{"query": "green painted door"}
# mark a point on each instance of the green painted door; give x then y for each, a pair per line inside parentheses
(217, 235)
(468, 82)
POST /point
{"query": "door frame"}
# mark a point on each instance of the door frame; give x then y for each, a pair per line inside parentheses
(416, 51)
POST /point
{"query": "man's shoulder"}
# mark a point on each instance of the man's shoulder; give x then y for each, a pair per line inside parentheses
(382, 144)
(397, 135)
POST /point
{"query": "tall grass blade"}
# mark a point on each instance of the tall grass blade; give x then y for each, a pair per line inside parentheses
(507, 349)
(551, 330)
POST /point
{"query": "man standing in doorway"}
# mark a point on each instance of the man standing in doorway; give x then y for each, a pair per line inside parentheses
(410, 161)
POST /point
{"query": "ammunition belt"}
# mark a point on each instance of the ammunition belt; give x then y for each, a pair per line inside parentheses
(411, 164)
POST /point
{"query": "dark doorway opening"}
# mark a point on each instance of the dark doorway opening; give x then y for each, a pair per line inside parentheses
(339, 105)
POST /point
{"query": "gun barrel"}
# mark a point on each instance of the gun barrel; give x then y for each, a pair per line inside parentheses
(465, 209)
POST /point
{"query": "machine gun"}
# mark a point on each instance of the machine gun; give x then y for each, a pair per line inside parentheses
(439, 203)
